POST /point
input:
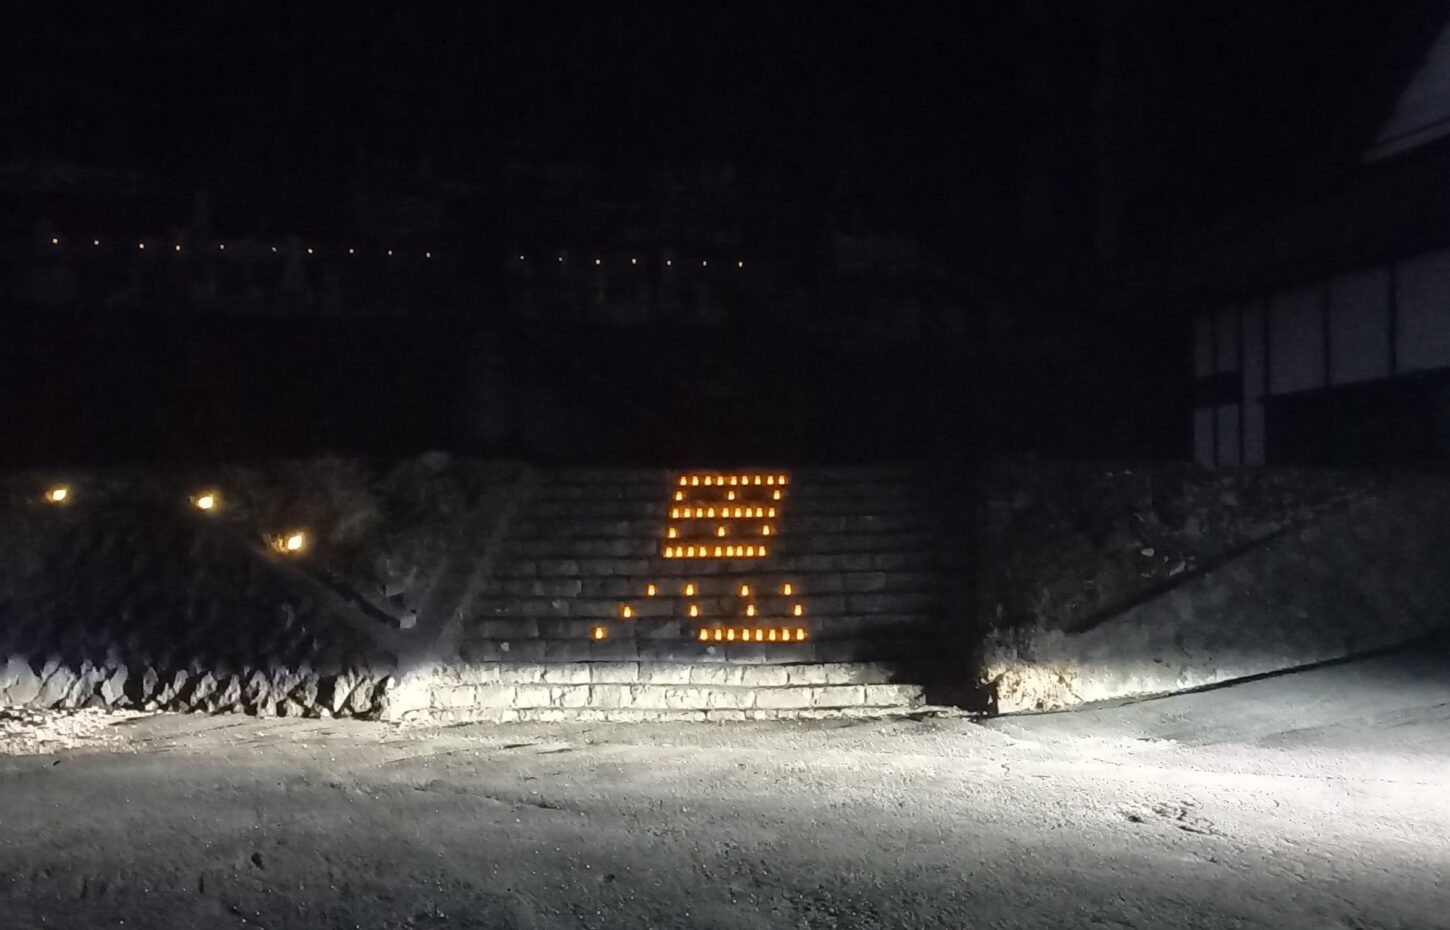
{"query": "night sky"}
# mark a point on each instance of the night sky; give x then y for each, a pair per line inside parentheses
(903, 119)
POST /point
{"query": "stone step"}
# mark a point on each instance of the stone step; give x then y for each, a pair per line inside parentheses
(492, 690)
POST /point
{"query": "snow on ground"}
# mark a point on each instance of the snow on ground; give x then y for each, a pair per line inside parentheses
(1315, 800)
(25, 731)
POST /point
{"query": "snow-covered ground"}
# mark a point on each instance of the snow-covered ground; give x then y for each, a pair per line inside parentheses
(1316, 800)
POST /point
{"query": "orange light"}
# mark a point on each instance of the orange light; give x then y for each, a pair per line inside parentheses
(776, 495)
(787, 589)
(730, 634)
(671, 533)
(739, 512)
(679, 495)
(765, 530)
(750, 610)
(600, 632)
(730, 552)
(690, 589)
(695, 481)
(650, 590)
(683, 481)
(626, 611)
(674, 513)
(770, 479)
(745, 590)
(207, 500)
(58, 494)
(757, 479)
(798, 610)
(690, 552)
(704, 635)
(709, 480)
(732, 482)
(710, 513)
(717, 552)
(699, 512)
(289, 543)
(800, 635)
(730, 496)
(719, 634)
(770, 513)
(762, 552)
(719, 531)
(694, 610)
(782, 479)
(750, 551)
(772, 634)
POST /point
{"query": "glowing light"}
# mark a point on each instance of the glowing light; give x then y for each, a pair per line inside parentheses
(142, 246)
(704, 264)
(309, 250)
(710, 513)
(650, 590)
(671, 533)
(771, 637)
(390, 252)
(732, 483)
(776, 495)
(781, 479)
(521, 258)
(745, 590)
(739, 264)
(787, 589)
(699, 512)
(730, 495)
(634, 261)
(427, 254)
(730, 635)
(739, 512)
(770, 479)
(704, 635)
(352, 251)
(178, 246)
(695, 481)
(669, 552)
(683, 481)
(274, 250)
(221, 246)
(730, 552)
(798, 611)
(765, 530)
(762, 552)
(800, 635)
(717, 552)
(770, 513)
(679, 495)
(95, 242)
(750, 610)
(668, 262)
(54, 241)
(600, 632)
(757, 479)
(598, 261)
(626, 611)
(206, 500)
(694, 610)
(719, 635)
(690, 551)
(690, 589)
(58, 494)
(289, 543)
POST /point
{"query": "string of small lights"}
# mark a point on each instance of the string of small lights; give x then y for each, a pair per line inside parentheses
(218, 246)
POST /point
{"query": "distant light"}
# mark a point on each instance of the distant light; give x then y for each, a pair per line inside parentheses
(289, 543)
(274, 249)
(669, 262)
(141, 245)
(222, 246)
(634, 261)
(626, 611)
(739, 264)
(705, 264)
(600, 632)
(521, 258)
(95, 242)
(427, 254)
(561, 258)
(54, 241)
(58, 494)
(178, 246)
(206, 500)
(598, 261)
(309, 250)
(390, 252)
(351, 251)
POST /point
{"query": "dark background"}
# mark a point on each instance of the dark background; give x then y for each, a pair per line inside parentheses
(1051, 160)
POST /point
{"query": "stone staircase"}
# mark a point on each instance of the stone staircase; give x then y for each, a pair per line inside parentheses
(704, 594)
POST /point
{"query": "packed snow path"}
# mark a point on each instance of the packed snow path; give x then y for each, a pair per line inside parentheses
(1319, 799)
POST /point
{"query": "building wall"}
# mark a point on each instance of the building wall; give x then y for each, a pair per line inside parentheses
(1302, 372)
